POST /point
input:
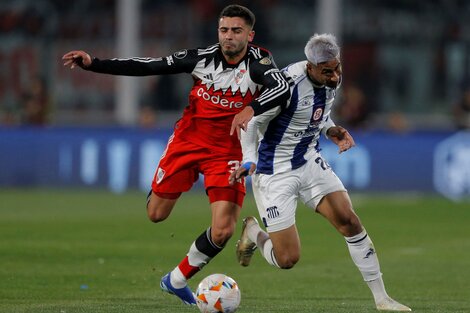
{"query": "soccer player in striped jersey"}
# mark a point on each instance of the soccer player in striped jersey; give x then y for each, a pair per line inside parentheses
(281, 151)
(227, 76)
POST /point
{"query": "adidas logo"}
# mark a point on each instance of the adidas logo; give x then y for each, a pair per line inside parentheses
(208, 76)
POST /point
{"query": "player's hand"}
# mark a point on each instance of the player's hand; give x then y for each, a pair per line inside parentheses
(77, 58)
(241, 120)
(246, 169)
(341, 137)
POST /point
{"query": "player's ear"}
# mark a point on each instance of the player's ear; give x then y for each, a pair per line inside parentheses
(251, 35)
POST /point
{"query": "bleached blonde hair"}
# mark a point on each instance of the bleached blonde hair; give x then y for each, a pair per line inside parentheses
(321, 48)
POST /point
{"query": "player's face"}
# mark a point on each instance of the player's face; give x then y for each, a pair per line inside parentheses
(234, 36)
(327, 73)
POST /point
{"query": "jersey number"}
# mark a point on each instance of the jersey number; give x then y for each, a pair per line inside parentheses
(234, 165)
(322, 163)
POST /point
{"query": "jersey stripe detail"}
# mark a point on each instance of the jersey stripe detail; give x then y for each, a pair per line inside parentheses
(137, 59)
(256, 52)
(208, 50)
(272, 93)
(298, 160)
(273, 136)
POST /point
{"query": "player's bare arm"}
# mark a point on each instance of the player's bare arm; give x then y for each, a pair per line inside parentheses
(241, 120)
(77, 58)
(341, 137)
(246, 169)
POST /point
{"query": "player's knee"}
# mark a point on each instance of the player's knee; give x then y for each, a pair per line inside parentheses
(350, 226)
(221, 235)
(158, 211)
(287, 261)
(156, 216)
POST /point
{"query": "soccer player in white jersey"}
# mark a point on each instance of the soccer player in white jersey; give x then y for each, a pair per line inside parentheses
(280, 150)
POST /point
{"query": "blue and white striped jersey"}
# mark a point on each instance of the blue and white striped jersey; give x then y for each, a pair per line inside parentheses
(280, 139)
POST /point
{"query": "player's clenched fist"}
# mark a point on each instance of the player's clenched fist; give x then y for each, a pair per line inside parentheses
(80, 58)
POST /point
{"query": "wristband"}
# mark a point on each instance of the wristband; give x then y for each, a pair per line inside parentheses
(246, 166)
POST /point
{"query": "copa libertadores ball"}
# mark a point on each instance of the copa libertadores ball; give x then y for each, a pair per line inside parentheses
(218, 293)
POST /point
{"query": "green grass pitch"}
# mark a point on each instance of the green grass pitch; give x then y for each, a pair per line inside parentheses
(70, 251)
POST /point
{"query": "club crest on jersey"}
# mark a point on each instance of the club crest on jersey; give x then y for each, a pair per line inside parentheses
(181, 54)
(239, 74)
(272, 212)
(160, 174)
(265, 61)
(317, 114)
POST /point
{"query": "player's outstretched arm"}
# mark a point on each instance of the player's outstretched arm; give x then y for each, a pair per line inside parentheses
(77, 58)
(241, 120)
(341, 137)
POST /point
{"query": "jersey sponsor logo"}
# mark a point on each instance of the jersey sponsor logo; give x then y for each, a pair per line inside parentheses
(309, 132)
(181, 54)
(218, 100)
(272, 212)
(160, 174)
(239, 74)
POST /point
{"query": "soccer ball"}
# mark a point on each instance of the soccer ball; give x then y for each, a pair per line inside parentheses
(218, 293)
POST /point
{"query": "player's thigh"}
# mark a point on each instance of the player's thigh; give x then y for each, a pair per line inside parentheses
(276, 199)
(318, 180)
(224, 213)
(178, 168)
(217, 170)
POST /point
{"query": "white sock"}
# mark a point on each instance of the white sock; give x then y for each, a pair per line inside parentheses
(264, 243)
(364, 256)
(252, 231)
(177, 278)
(267, 251)
(378, 289)
(196, 257)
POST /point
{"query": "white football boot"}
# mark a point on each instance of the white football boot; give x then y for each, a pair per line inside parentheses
(245, 246)
(388, 304)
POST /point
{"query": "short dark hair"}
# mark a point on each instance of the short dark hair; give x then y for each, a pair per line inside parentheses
(235, 10)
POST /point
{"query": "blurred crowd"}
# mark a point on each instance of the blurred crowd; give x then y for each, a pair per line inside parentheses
(404, 62)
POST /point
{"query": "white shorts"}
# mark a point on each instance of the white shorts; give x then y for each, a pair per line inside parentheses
(276, 195)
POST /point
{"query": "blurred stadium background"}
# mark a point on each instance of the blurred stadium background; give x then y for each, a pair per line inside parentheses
(405, 95)
(78, 151)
